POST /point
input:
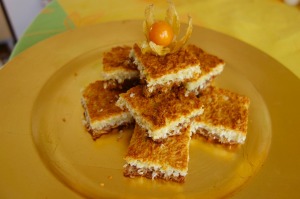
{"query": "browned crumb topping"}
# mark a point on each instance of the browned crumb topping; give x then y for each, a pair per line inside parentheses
(160, 89)
(224, 108)
(118, 57)
(158, 66)
(207, 61)
(173, 152)
(162, 108)
(100, 102)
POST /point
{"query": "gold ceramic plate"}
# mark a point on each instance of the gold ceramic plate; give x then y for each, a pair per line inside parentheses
(44, 145)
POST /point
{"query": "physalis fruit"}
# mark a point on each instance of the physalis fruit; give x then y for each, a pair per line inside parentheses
(162, 36)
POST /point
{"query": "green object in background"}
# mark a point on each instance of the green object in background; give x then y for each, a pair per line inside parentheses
(51, 21)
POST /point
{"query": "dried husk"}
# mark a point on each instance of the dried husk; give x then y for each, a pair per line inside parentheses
(171, 18)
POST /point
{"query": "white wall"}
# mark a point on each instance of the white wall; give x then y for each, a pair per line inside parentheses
(22, 13)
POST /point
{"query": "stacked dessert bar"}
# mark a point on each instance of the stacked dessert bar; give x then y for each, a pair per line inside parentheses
(99, 98)
(168, 98)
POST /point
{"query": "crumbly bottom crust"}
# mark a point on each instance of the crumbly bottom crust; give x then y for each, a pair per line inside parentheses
(125, 85)
(214, 137)
(97, 133)
(132, 172)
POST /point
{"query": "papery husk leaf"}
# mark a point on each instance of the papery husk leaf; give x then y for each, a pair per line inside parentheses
(149, 20)
(151, 47)
(159, 50)
(172, 18)
(145, 48)
(145, 30)
(184, 39)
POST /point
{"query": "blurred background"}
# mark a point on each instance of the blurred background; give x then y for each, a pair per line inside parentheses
(241, 22)
(15, 17)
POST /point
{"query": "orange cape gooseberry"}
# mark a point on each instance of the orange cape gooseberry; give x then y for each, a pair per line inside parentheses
(162, 37)
(161, 33)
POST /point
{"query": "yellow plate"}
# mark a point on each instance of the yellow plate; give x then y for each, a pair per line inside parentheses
(45, 147)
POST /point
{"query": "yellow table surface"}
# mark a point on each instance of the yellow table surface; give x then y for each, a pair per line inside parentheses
(269, 25)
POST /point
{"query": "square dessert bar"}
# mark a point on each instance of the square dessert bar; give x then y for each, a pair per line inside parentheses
(225, 117)
(162, 115)
(119, 68)
(211, 66)
(101, 113)
(168, 161)
(160, 73)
